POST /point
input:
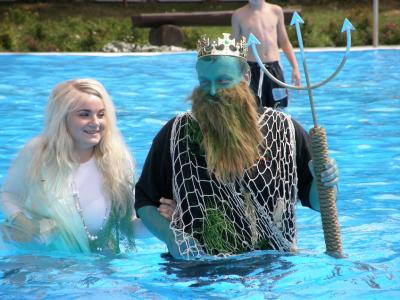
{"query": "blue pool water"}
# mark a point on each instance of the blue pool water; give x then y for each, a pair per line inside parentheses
(360, 110)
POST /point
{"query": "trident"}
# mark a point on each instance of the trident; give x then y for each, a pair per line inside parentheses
(319, 145)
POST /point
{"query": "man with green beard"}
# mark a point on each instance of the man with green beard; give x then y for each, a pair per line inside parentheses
(224, 178)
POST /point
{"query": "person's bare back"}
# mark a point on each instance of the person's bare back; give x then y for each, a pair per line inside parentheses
(264, 20)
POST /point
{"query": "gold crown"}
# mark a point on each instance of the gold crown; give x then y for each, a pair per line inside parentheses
(224, 46)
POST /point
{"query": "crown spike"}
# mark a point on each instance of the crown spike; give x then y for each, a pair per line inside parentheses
(223, 46)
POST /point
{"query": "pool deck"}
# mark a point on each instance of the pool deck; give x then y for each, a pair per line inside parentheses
(328, 49)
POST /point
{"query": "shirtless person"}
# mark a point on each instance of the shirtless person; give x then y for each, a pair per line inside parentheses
(266, 22)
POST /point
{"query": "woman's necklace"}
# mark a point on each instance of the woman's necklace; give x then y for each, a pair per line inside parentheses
(91, 237)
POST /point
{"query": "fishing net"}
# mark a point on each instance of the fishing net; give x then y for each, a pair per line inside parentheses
(253, 212)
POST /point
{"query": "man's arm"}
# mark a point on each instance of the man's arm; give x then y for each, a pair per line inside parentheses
(181, 247)
(284, 43)
(235, 21)
(153, 192)
(154, 183)
(159, 226)
(166, 209)
(307, 181)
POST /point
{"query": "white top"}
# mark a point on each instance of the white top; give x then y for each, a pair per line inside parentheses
(95, 207)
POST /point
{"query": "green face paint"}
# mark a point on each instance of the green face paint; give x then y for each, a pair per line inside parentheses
(218, 72)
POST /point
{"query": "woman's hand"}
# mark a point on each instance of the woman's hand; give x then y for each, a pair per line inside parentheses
(48, 230)
(24, 229)
(167, 208)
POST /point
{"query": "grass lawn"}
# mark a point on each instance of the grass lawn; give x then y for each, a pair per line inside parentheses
(88, 26)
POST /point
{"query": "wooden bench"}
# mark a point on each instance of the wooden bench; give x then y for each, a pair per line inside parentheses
(165, 26)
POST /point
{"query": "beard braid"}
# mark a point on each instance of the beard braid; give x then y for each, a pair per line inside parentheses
(231, 134)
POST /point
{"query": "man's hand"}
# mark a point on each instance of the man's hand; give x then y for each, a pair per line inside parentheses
(167, 208)
(296, 77)
(330, 176)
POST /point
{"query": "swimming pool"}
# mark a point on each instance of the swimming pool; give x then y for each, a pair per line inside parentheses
(360, 110)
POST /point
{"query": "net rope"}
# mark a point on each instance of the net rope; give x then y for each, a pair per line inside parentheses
(254, 212)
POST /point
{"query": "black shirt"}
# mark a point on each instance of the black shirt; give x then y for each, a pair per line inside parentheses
(156, 178)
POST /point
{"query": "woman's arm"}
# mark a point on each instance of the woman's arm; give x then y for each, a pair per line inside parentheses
(14, 190)
(21, 225)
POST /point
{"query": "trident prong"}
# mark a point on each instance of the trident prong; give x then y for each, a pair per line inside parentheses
(296, 20)
(319, 146)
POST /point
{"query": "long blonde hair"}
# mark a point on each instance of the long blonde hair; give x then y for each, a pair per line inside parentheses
(54, 158)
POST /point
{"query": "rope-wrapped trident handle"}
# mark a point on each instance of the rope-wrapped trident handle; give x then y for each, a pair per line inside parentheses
(319, 145)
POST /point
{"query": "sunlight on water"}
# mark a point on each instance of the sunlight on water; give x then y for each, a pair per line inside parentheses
(360, 110)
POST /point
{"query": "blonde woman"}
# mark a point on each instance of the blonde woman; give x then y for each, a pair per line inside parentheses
(71, 187)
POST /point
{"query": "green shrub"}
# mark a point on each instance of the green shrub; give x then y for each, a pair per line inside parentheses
(363, 25)
(138, 36)
(22, 30)
(7, 40)
(312, 36)
(191, 36)
(66, 30)
(19, 16)
(390, 34)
